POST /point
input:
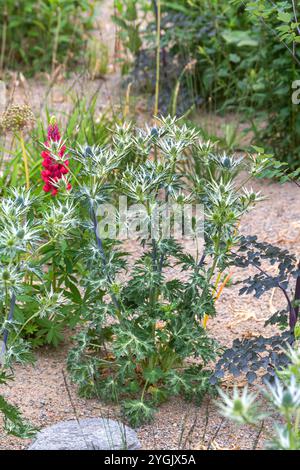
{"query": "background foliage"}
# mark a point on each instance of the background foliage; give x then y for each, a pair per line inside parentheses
(36, 35)
(226, 56)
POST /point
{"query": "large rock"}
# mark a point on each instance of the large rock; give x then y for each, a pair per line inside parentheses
(91, 434)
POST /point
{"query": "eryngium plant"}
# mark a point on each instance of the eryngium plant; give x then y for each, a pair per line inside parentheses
(143, 338)
(32, 293)
(284, 398)
(19, 237)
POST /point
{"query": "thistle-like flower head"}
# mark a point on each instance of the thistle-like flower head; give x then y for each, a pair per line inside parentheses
(240, 407)
(285, 396)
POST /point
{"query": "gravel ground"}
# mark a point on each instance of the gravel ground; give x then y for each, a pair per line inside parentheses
(43, 391)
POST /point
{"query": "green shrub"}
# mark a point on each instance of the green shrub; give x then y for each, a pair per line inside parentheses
(228, 57)
(141, 318)
(139, 334)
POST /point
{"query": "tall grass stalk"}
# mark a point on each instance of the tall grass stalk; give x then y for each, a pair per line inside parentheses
(25, 160)
(158, 32)
(56, 38)
(3, 42)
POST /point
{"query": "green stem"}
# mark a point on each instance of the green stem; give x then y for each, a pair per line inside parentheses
(297, 422)
(3, 44)
(214, 265)
(104, 262)
(157, 57)
(144, 390)
(25, 159)
(56, 38)
(155, 153)
(23, 326)
(53, 275)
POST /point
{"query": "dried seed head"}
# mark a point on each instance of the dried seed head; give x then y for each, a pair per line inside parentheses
(16, 118)
(190, 66)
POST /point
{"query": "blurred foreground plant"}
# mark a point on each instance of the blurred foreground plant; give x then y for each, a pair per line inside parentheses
(274, 268)
(284, 398)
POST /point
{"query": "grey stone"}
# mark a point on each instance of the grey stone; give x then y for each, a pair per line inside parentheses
(92, 434)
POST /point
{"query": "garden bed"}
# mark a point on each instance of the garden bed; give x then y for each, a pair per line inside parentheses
(41, 393)
(44, 392)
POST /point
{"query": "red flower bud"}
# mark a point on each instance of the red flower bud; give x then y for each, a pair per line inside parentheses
(53, 171)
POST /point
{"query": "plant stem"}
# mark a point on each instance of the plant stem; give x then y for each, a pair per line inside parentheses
(154, 265)
(24, 154)
(70, 171)
(104, 262)
(297, 421)
(53, 275)
(25, 324)
(144, 390)
(292, 313)
(155, 153)
(255, 444)
(3, 44)
(157, 57)
(56, 37)
(297, 295)
(9, 318)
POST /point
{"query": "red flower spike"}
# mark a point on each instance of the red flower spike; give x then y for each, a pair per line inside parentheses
(53, 133)
(53, 171)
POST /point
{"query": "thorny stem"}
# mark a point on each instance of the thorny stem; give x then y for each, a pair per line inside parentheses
(104, 261)
(297, 295)
(9, 318)
(154, 266)
(155, 153)
(161, 262)
(53, 275)
(157, 57)
(202, 260)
